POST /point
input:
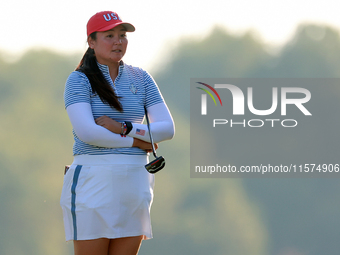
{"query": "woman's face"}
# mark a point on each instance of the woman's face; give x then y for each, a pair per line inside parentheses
(109, 46)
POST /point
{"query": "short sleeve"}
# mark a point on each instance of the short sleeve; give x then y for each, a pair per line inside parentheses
(152, 93)
(77, 89)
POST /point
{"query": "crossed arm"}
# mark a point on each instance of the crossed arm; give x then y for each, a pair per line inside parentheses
(105, 132)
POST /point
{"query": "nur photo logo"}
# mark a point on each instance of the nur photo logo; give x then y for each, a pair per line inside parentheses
(264, 127)
(280, 98)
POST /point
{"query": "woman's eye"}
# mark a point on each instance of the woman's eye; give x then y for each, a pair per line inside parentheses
(109, 36)
(123, 35)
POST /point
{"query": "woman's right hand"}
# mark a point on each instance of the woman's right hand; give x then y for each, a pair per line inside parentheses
(143, 145)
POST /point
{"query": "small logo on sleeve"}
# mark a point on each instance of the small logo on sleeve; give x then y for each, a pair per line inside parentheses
(140, 132)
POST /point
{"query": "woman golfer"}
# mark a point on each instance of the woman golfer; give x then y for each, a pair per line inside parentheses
(107, 192)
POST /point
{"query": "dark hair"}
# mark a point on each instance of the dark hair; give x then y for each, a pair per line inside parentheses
(88, 66)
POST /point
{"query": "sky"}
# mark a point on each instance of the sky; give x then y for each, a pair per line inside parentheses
(61, 25)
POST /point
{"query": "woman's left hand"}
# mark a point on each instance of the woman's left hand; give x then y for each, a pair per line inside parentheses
(110, 124)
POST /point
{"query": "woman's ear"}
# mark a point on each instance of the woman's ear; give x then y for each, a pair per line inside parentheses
(90, 42)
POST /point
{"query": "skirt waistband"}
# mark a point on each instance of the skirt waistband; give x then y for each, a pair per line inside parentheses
(110, 159)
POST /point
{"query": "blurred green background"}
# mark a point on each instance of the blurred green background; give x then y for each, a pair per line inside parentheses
(190, 216)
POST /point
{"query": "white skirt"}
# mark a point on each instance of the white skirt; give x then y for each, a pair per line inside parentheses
(107, 196)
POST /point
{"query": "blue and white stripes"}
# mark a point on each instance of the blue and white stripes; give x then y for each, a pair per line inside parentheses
(135, 87)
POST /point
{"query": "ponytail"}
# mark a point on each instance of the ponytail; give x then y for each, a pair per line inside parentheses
(88, 65)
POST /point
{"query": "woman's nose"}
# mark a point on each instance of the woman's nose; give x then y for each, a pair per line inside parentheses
(118, 41)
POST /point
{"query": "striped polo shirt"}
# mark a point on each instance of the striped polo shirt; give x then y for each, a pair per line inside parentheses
(133, 85)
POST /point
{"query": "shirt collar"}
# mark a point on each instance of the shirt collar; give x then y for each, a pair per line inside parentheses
(105, 69)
